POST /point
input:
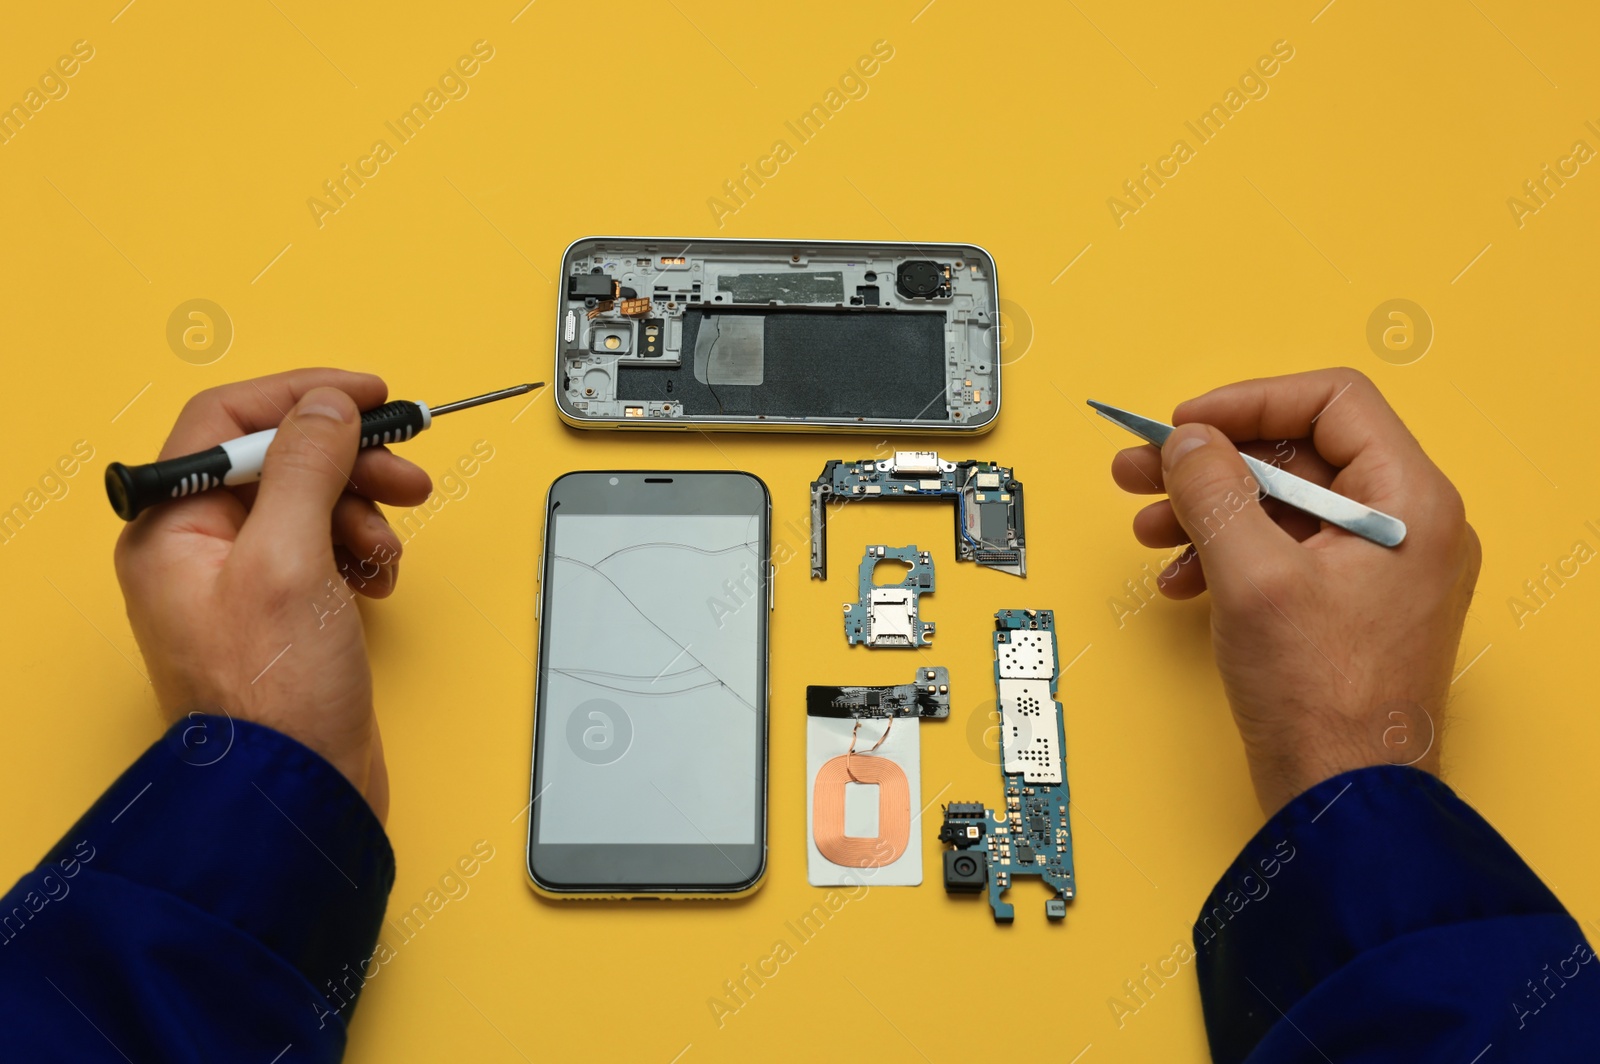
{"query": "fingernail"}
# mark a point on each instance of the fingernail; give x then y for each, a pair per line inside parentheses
(315, 406)
(1184, 439)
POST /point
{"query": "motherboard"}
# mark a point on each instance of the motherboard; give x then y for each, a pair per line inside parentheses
(1032, 835)
(988, 503)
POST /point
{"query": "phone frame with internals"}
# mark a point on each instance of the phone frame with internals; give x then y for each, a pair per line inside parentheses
(810, 335)
(678, 869)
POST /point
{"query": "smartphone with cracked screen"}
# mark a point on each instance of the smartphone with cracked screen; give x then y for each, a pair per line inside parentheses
(799, 335)
(650, 704)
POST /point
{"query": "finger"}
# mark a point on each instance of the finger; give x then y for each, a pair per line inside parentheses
(1213, 495)
(139, 554)
(1339, 409)
(379, 474)
(1299, 457)
(233, 410)
(1184, 578)
(360, 526)
(385, 477)
(1157, 526)
(1138, 469)
(364, 575)
(306, 471)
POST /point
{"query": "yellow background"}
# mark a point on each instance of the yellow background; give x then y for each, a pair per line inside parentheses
(1377, 167)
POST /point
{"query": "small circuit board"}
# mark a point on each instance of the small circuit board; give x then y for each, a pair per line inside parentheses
(887, 615)
(988, 503)
(927, 696)
(1032, 835)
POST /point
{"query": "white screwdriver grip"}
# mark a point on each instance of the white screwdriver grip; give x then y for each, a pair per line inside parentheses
(246, 456)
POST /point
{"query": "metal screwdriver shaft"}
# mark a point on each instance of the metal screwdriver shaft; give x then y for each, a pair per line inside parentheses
(133, 489)
(491, 397)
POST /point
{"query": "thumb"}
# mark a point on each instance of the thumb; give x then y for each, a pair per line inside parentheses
(1215, 498)
(306, 469)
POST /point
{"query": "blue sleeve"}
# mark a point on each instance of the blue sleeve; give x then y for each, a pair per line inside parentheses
(1377, 918)
(219, 902)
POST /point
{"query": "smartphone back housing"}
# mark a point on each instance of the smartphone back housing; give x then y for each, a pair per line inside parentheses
(833, 336)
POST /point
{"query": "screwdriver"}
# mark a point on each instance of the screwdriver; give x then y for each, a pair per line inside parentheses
(133, 489)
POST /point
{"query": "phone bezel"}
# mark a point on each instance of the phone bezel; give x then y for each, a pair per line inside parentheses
(567, 870)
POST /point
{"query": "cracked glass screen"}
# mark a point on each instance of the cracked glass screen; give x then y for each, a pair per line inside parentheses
(650, 681)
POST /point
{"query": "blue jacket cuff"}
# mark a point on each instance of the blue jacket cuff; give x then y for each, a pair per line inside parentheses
(256, 829)
(1354, 863)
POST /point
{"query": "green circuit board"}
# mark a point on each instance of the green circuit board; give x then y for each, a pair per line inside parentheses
(890, 615)
(1032, 834)
(988, 503)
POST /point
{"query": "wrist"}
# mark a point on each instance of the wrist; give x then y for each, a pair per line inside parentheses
(1282, 774)
(354, 751)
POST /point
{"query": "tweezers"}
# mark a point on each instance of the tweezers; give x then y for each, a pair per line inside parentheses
(1302, 494)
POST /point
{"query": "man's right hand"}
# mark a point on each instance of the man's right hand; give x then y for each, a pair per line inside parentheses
(242, 600)
(1335, 653)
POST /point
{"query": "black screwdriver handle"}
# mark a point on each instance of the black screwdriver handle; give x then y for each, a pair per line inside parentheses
(132, 489)
(394, 422)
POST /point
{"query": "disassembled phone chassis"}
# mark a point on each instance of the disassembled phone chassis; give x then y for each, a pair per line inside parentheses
(988, 498)
(751, 334)
(1032, 835)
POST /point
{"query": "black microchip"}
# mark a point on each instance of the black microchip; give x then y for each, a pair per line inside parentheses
(1037, 825)
(1025, 853)
(873, 698)
(965, 824)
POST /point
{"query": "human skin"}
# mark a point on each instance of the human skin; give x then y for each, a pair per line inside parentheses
(1335, 653)
(243, 600)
